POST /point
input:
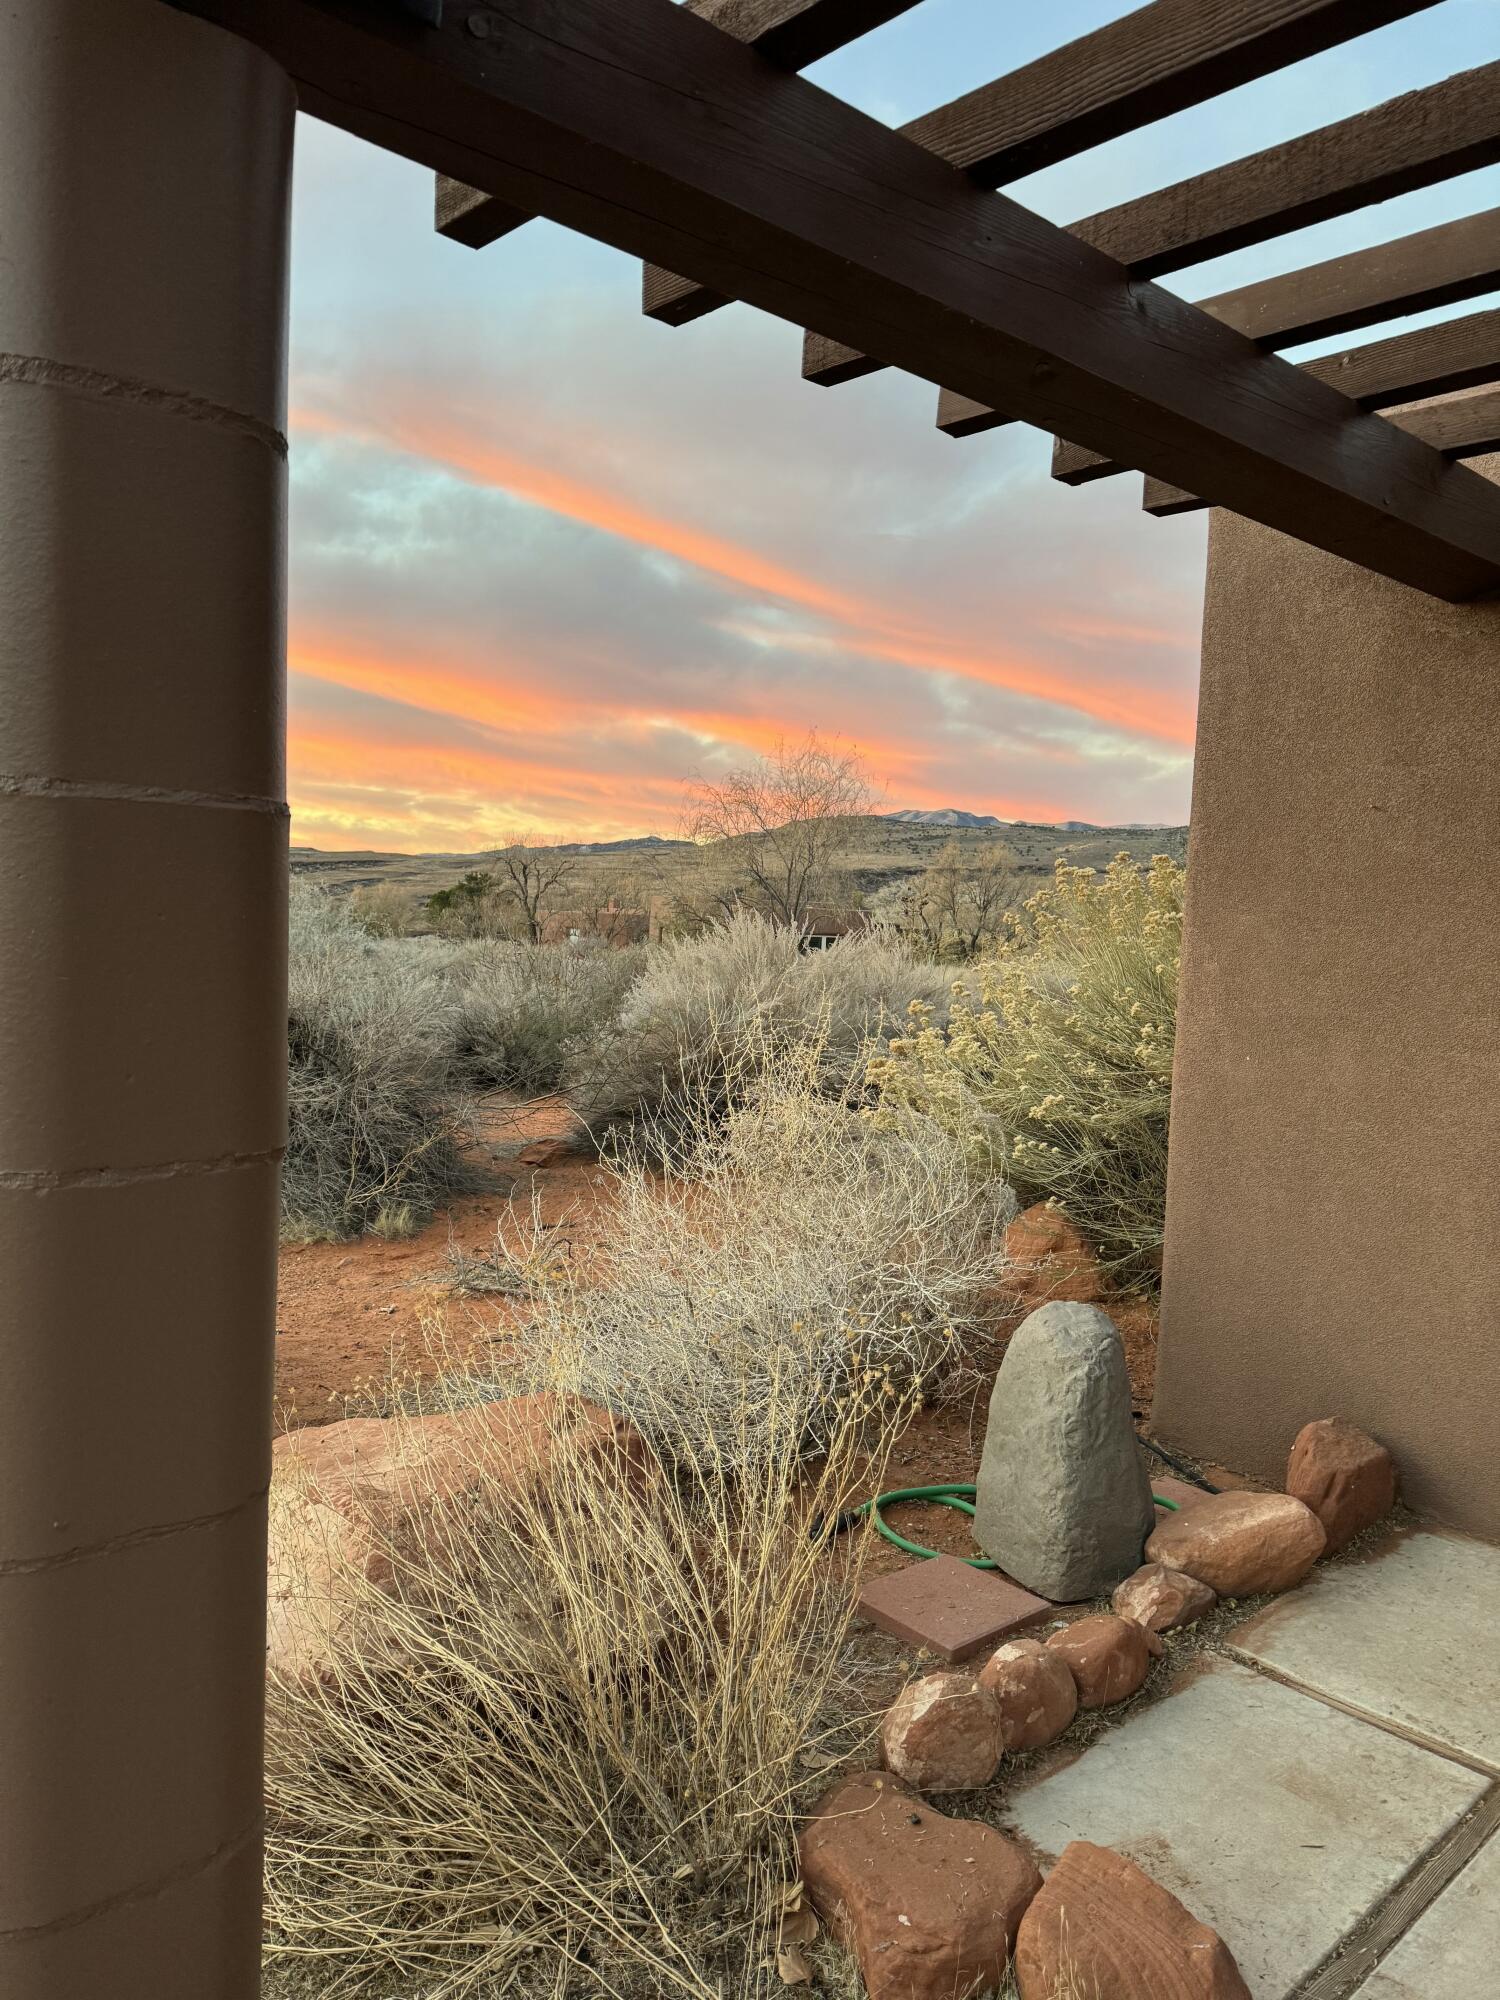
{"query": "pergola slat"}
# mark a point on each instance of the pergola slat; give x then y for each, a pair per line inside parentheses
(646, 128)
(1431, 361)
(1460, 427)
(1455, 260)
(1160, 59)
(464, 215)
(1406, 143)
(792, 33)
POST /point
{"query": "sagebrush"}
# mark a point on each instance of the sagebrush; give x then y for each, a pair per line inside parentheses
(1054, 1066)
(703, 1006)
(530, 1016)
(777, 1258)
(375, 1121)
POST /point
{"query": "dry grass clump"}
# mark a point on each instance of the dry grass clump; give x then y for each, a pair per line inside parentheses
(704, 1006)
(567, 1752)
(375, 1122)
(1054, 1067)
(530, 1015)
(776, 1256)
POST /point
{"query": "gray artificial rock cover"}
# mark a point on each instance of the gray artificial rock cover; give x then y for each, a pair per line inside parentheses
(1064, 1501)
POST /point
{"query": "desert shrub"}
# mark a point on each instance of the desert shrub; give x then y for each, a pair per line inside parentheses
(529, 1015)
(778, 1258)
(383, 909)
(1054, 1067)
(703, 1004)
(567, 1751)
(374, 1123)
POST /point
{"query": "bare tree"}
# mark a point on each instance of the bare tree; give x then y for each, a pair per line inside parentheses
(956, 907)
(528, 872)
(790, 817)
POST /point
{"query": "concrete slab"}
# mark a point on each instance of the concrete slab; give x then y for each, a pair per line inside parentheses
(1453, 1949)
(1403, 1634)
(1275, 1818)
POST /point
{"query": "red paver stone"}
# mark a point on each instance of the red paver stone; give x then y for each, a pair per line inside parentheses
(948, 1607)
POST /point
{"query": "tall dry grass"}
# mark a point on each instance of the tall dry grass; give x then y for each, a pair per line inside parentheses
(567, 1751)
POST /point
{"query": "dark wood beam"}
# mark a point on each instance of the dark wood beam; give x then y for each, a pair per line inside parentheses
(1144, 66)
(961, 416)
(464, 215)
(1456, 260)
(794, 33)
(1434, 267)
(1407, 143)
(638, 124)
(1158, 60)
(1464, 426)
(791, 33)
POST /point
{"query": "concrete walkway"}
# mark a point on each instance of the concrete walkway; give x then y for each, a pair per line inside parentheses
(1325, 1788)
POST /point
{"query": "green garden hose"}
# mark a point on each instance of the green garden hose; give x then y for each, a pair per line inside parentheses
(961, 1497)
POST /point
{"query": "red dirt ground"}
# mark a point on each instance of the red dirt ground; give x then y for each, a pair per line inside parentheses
(350, 1315)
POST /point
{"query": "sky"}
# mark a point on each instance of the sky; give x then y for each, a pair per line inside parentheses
(552, 563)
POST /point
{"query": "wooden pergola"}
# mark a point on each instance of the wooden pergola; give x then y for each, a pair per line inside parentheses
(145, 150)
(683, 135)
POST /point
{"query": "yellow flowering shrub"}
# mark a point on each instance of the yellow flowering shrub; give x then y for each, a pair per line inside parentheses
(1055, 1066)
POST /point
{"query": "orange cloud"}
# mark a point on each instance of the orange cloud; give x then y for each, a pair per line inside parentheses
(871, 628)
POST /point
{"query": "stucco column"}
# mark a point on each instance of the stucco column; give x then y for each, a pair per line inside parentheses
(1333, 1204)
(144, 175)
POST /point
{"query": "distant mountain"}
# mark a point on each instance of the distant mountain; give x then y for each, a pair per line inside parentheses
(641, 840)
(943, 816)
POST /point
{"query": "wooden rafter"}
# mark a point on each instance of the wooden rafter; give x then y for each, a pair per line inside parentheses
(1160, 59)
(1407, 143)
(1431, 361)
(1433, 267)
(1464, 426)
(647, 128)
(790, 33)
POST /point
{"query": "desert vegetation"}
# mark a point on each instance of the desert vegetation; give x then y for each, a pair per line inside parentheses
(705, 1010)
(563, 1739)
(1053, 1066)
(772, 1263)
(572, 1714)
(376, 1117)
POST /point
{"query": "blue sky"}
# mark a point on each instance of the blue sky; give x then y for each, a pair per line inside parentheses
(550, 560)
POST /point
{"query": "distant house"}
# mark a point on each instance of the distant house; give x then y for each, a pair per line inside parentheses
(823, 925)
(611, 926)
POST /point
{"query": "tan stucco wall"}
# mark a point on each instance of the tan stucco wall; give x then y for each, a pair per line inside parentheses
(1333, 1212)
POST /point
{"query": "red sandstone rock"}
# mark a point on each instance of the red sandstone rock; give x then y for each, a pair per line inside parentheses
(1161, 1599)
(1241, 1544)
(943, 1733)
(1048, 1257)
(1109, 1657)
(348, 1499)
(1343, 1475)
(1035, 1688)
(929, 1906)
(1101, 1927)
